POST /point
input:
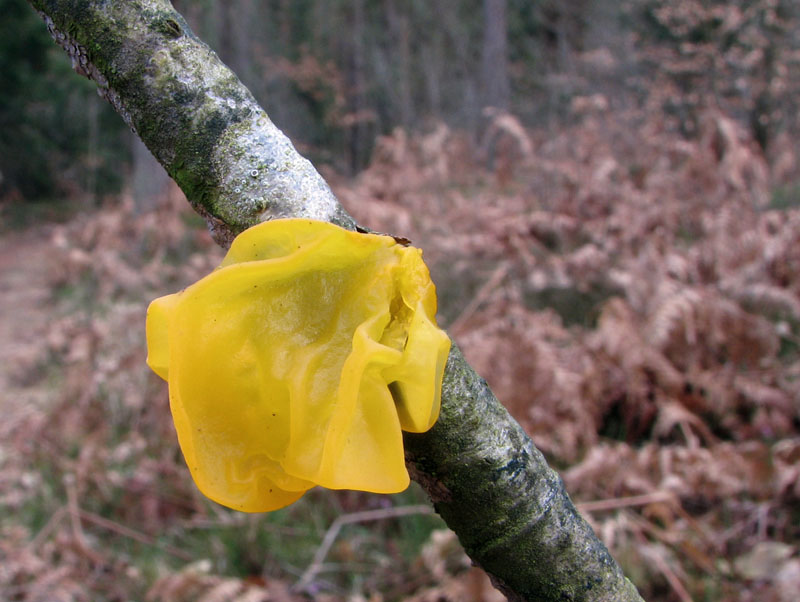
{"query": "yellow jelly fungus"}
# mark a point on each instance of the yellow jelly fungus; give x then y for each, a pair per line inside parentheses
(298, 361)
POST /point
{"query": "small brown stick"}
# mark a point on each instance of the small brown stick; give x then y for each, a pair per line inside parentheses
(75, 521)
(77, 514)
(104, 523)
(48, 528)
(207, 523)
(625, 502)
(673, 580)
(346, 519)
(131, 534)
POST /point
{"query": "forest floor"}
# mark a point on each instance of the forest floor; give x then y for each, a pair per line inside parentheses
(631, 296)
(25, 301)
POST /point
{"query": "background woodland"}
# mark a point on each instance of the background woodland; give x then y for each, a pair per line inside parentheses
(608, 195)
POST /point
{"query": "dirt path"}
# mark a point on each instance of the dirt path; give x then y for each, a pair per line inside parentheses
(25, 301)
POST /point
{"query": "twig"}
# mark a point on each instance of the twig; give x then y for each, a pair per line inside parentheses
(672, 578)
(207, 523)
(131, 534)
(75, 521)
(45, 531)
(674, 581)
(625, 502)
(77, 514)
(333, 531)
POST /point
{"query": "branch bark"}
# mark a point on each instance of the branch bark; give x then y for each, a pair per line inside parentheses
(481, 471)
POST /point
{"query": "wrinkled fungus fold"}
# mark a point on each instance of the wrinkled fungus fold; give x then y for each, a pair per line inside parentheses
(298, 362)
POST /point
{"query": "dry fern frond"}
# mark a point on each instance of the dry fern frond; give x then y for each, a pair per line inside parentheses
(620, 335)
(763, 298)
(743, 168)
(693, 430)
(697, 326)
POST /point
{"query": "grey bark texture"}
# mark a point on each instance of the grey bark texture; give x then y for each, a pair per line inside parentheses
(482, 472)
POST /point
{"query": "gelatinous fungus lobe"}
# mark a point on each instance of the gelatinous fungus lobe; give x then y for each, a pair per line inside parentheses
(298, 362)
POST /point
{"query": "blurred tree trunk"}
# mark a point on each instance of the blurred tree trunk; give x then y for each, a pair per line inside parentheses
(399, 29)
(483, 474)
(494, 66)
(232, 21)
(360, 115)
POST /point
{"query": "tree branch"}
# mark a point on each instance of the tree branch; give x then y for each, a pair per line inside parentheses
(191, 111)
(482, 472)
